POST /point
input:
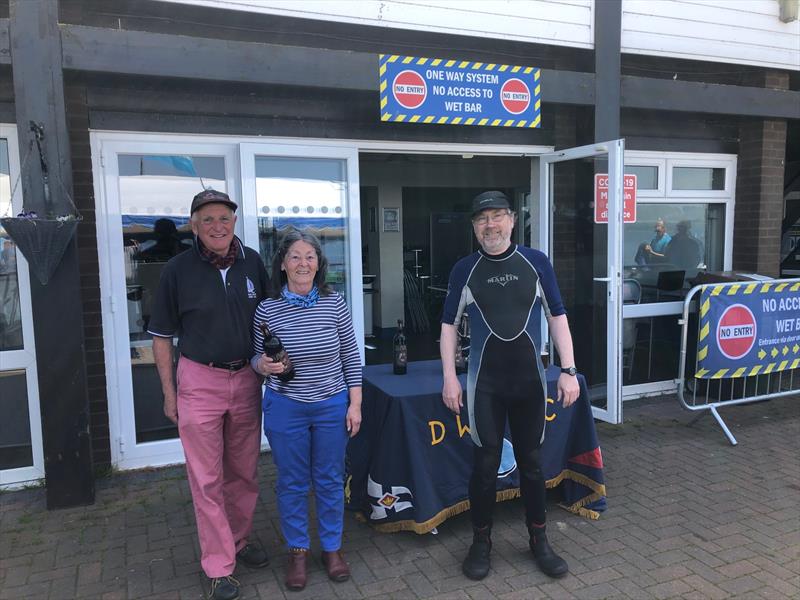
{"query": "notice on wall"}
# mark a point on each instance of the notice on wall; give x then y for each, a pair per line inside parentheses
(748, 329)
(601, 198)
(452, 92)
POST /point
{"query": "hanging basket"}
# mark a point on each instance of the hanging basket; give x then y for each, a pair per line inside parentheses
(41, 241)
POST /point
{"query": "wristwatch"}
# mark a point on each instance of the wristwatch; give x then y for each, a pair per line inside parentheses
(569, 371)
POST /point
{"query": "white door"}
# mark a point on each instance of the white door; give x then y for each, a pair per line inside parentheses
(314, 188)
(143, 220)
(21, 456)
(587, 257)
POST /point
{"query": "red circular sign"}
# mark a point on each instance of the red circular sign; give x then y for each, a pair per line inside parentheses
(515, 96)
(736, 331)
(409, 89)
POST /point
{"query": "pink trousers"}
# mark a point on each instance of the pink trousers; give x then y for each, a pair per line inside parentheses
(219, 422)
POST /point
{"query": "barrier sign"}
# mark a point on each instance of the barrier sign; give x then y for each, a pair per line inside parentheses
(748, 329)
(452, 92)
(601, 198)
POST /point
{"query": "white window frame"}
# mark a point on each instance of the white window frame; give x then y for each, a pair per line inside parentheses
(25, 358)
(727, 197)
(659, 163)
(694, 161)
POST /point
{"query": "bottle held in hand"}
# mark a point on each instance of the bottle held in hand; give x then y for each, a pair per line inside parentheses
(400, 361)
(273, 348)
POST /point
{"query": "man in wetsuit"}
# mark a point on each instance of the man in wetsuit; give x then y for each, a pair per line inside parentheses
(504, 288)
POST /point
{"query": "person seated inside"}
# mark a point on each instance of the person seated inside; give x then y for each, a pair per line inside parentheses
(648, 254)
(684, 250)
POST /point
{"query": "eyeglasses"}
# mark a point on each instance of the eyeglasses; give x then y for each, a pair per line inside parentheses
(495, 218)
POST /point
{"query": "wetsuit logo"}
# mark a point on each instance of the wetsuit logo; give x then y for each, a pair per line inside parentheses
(502, 279)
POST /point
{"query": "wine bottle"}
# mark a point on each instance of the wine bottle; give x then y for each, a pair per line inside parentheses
(400, 362)
(273, 348)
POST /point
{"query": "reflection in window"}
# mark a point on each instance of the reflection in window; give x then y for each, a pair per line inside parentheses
(310, 194)
(650, 349)
(10, 316)
(698, 178)
(646, 176)
(15, 435)
(670, 243)
(155, 194)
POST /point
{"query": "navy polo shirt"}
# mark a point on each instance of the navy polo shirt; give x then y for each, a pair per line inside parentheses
(212, 317)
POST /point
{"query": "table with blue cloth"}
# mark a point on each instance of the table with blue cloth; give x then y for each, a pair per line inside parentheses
(409, 466)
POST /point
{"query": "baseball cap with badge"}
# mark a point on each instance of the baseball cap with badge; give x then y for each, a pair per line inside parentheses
(210, 196)
(492, 199)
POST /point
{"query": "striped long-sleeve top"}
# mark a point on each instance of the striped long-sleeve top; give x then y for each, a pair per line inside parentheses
(320, 341)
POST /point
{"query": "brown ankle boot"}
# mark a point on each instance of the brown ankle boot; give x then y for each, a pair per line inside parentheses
(337, 567)
(297, 570)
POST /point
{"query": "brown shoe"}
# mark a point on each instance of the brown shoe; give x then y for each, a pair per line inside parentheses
(296, 572)
(338, 569)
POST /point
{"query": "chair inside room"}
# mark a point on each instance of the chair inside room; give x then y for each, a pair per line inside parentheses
(669, 284)
(631, 294)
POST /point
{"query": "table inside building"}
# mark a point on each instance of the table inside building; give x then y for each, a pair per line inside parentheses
(409, 466)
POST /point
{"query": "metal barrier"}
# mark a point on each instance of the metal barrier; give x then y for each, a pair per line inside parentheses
(699, 396)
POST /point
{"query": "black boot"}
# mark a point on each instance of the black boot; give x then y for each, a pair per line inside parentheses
(476, 565)
(549, 562)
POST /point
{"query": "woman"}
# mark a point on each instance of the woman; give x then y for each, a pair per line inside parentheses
(308, 418)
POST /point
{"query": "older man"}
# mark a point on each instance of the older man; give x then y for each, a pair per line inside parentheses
(207, 297)
(504, 288)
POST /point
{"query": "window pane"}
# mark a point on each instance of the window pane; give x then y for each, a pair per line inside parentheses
(646, 176)
(310, 194)
(650, 349)
(155, 194)
(15, 435)
(698, 178)
(10, 317)
(670, 243)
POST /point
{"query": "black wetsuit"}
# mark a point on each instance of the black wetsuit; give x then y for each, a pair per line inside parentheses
(504, 296)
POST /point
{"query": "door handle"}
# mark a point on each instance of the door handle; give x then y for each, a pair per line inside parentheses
(606, 279)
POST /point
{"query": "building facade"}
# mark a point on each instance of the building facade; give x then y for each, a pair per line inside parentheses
(142, 102)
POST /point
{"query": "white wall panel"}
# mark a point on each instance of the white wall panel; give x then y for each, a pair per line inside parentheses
(734, 31)
(556, 22)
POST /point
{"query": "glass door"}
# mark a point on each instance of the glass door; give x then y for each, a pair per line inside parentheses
(21, 456)
(585, 245)
(142, 222)
(313, 188)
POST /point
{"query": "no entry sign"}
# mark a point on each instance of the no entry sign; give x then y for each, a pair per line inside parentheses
(409, 89)
(601, 198)
(748, 329)
(515, 96)
(736, 331)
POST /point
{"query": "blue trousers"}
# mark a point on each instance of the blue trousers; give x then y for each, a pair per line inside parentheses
(308, 441)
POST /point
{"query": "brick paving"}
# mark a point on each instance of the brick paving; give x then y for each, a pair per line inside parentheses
(689, 517)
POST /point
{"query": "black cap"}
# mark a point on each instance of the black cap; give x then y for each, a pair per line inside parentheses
(211, 197)
(493, 199)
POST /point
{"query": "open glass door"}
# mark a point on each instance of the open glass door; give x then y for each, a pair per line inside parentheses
(584, 242)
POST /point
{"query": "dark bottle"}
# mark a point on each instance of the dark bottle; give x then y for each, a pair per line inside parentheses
(400, 362)
(273, 348)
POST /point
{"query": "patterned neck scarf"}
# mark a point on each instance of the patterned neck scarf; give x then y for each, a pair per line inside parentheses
(220, 262)
(307, 301)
